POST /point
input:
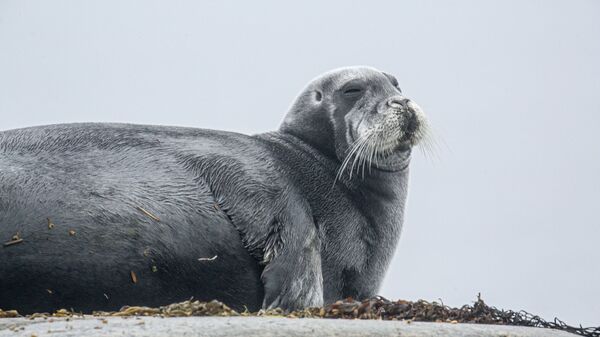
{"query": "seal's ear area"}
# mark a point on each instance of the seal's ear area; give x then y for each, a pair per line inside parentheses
(392, 79)
(318, 95)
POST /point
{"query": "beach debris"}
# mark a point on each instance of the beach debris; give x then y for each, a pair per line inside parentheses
(9, 314)
(182, 309)
(14, 240)
(150, 215)
(62, 313)
(373, 308)
(134, 278)
(208, 258)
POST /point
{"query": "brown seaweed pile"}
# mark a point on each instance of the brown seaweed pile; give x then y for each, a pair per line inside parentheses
(183, 309)
(373, 308)
(423, 311)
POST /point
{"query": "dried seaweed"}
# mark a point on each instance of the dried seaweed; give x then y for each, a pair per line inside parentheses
(183, 309)
(373, 308)
(479, 312)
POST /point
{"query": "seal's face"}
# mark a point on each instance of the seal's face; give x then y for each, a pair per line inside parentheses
(377, 113)
(361, 116)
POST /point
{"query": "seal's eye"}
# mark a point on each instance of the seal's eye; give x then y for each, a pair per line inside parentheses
(318, 96)
(353, 91)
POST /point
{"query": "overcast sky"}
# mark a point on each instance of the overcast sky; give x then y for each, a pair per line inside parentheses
(508, 207)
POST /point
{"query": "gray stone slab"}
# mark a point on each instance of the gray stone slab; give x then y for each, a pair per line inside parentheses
(254, 326)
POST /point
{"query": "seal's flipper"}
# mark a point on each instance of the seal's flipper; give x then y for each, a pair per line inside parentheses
(292, 277)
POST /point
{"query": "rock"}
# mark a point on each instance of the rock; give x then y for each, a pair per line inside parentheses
(253, 326)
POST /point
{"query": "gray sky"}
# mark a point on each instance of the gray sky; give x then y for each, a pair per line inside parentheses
(508, 207)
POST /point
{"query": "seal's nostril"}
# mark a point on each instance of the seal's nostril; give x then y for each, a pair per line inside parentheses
(398, 103)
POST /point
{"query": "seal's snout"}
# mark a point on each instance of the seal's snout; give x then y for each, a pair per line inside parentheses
(398, 103)
(400, 108)
(403, 121)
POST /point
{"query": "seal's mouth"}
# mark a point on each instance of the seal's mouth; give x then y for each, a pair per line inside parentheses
(399, 128)
(384, 138)
(383, 135)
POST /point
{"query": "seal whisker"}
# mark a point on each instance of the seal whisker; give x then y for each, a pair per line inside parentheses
(359, 155)
(373, 149)
(368, 153)
(369, 157)
(378, 151)
(428, 143)
(351, 151)
(363, 158)
(378, 147)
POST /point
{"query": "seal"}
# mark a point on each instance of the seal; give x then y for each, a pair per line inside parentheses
(97, 216)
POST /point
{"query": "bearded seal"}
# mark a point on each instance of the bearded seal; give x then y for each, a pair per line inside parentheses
(97, 216)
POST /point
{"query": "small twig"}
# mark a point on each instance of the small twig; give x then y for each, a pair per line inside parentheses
(152, 216)
(133, 277)
(12, 242)
(208, 258)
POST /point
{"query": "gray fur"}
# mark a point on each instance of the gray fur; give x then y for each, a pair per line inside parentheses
(286, 233)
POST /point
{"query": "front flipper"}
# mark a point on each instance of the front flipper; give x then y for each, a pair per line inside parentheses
(292, 277)
(275, 225)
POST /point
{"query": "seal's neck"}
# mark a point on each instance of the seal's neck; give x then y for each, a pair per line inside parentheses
(333, 141)
(313, 127)
(379, 195)
(381, 178)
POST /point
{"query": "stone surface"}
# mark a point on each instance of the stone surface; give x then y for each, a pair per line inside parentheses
(253, 326)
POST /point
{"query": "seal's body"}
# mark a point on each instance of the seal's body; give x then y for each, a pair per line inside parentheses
(96, 216)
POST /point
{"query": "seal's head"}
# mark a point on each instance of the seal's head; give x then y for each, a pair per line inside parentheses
(359, 116)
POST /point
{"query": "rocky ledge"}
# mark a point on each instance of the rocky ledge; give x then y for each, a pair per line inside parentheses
(154, 326)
